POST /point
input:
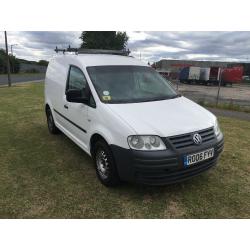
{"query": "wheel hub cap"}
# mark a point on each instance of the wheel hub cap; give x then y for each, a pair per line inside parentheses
(102, 164)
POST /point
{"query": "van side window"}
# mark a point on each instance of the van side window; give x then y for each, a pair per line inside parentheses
(76, 79)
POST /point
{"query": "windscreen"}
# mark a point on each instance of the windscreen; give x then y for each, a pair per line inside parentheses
(129, 84)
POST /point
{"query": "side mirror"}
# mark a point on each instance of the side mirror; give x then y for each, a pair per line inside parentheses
(78, 96)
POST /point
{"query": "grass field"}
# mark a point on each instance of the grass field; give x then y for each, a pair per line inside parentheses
(45, 176)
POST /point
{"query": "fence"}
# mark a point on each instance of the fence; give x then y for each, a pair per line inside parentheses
(237, 96)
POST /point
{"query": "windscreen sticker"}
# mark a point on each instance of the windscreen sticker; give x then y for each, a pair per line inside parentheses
(106, 98)
(105, 92)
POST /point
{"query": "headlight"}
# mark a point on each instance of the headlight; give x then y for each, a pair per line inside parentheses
(146, 142)
(217, 128)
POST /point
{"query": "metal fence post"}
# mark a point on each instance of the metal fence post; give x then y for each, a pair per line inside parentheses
(218, 92)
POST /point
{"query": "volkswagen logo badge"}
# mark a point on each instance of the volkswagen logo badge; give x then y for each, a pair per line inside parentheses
(197, 138)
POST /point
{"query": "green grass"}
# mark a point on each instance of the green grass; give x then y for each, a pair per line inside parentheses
(45, 176)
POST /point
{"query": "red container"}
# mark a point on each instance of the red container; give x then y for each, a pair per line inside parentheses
(232, 75)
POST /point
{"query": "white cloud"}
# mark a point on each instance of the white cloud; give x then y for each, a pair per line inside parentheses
(150, 46)
(137, 36)
(163, 48)
(198, 56)
(38, 45)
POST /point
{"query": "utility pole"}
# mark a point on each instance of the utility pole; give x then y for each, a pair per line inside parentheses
(7, 59)
(11, 48)
(11, 51)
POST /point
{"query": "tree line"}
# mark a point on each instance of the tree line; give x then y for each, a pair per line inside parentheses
(115, 40)
(14, 63)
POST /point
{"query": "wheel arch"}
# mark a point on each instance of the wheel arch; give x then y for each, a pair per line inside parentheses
(47, 107)
(93, 139)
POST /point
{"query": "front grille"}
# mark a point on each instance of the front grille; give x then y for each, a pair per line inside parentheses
(186, 140)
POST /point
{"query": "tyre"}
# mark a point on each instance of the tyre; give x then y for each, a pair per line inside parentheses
(50, 121)
(106, 170)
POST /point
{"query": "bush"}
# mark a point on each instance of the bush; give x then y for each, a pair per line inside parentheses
(14, 65)
(43, 63)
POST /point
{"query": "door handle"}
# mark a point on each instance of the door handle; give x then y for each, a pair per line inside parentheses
(66, 106)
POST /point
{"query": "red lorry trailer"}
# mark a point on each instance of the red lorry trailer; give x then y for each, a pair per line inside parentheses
(231, 75)
(214, 75)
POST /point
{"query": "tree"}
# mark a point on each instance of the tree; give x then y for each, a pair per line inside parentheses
(104, 40)
(3, 68)
(14, 63)
(2, 62)
(43, 63)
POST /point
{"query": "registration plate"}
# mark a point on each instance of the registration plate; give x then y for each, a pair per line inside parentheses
(198, 157)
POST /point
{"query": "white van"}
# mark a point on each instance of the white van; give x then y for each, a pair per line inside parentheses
(129, 119)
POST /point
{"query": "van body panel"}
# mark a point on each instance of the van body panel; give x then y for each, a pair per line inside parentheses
(115, 122)
(161, 117)
(109, 125)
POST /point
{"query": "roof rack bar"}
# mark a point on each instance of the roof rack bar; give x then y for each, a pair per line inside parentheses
(69, 49)
(104, 51)
(94, 51)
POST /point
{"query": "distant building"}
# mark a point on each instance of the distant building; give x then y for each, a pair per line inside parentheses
(32, 68)
(173, 67)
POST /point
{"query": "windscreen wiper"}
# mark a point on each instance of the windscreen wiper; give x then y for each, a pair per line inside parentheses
(175, 96)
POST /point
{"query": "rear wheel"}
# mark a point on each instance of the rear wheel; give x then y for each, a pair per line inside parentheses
(105, 165)
(50, 121)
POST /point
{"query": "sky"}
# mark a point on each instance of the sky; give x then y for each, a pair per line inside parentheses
(148, 46)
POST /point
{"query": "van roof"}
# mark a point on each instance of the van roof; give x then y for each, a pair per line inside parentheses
(99, 60)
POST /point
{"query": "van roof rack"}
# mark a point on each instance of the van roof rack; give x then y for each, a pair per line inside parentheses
(69, 49)
(104, 51)
(94, 51)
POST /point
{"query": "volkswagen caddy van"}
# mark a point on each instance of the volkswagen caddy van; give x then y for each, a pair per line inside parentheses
(129, 119)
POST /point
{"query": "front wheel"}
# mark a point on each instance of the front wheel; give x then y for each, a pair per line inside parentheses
(105, 165)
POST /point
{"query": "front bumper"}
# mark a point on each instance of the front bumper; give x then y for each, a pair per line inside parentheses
(162, 167)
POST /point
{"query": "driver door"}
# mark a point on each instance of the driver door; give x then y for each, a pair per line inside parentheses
(77, 113)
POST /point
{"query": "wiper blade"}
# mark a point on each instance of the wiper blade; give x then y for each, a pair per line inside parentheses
(143, 100)
(175, 96)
